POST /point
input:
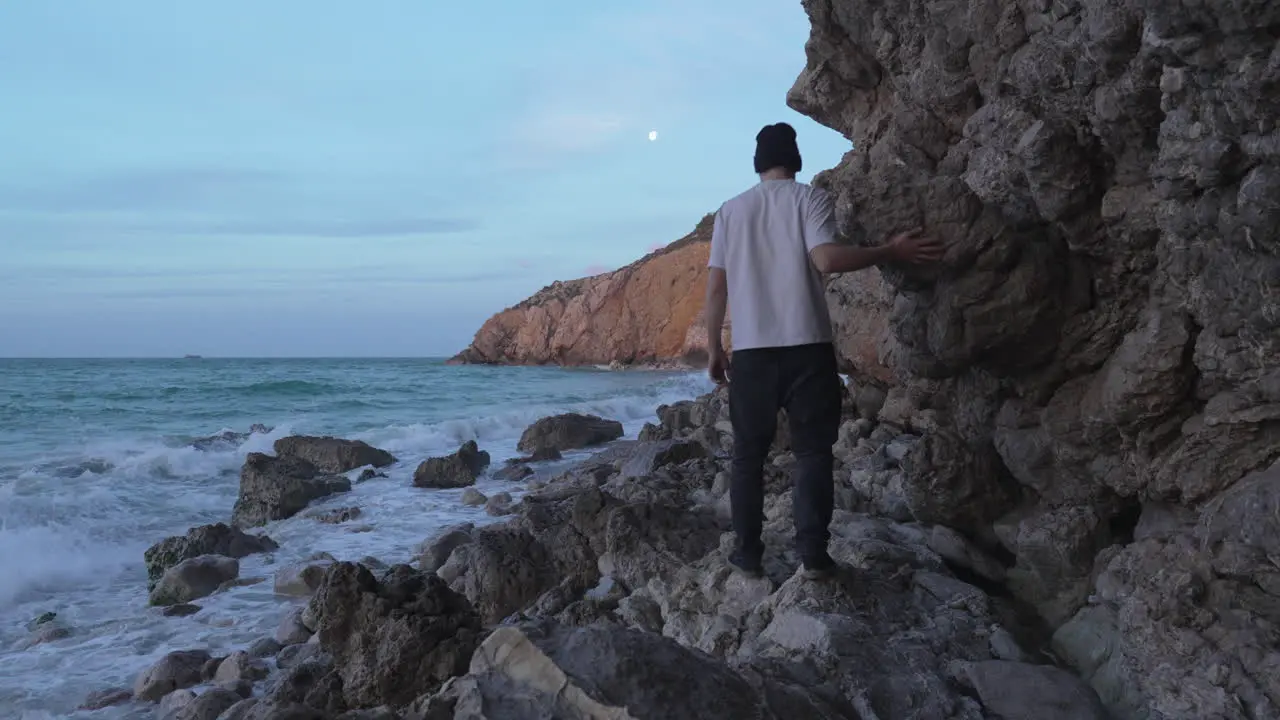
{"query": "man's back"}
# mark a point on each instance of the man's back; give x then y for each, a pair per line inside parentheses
(762, 240)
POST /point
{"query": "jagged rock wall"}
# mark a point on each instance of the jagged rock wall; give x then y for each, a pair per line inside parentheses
(649, 312)
(1101, 346)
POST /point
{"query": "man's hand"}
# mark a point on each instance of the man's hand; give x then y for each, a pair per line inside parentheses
(915, 247)
(718, 366)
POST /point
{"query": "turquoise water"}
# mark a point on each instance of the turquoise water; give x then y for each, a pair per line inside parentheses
(96, 464)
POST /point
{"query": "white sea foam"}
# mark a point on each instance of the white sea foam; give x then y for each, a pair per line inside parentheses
(71, 541)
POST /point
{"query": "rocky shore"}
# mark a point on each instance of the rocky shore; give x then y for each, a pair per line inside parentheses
(1059, 472)
(606, 594)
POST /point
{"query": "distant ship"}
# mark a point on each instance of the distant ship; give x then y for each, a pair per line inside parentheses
(191, 357)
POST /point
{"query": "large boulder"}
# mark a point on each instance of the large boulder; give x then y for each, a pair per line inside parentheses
(1082, 358)
(217, 539)
(275, 488)
(302, 578)
(571, 431)
(395, 638)
(500, 569)
(453, 471)
(175, 671)
(193, 579)
(208, 705)
(333, 455)
(435, 550)
(647, 457)
(544, 670)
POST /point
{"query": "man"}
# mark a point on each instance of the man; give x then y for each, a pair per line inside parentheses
(770, 247)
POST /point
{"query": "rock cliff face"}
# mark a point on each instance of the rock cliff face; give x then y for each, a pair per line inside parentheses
(1095, 367)
(647, 312)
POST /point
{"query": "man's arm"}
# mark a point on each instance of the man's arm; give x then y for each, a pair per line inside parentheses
(826, 253)
(830, 256)
(717, 301)
(717, 286)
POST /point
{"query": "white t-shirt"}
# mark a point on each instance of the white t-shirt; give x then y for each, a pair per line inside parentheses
(762, 240)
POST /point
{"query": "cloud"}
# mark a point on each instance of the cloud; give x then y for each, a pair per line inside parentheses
(564, 130)
(302, 227)
(219, 202)
(139, 189)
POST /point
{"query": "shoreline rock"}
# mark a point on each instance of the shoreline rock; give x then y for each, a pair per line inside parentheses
(275, 488)
(333, 456)
(570, 431)
(193, 579)
(612, 581)
(216, 539)
(458, 470)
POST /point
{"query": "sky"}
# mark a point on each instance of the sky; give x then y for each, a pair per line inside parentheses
(328, 178)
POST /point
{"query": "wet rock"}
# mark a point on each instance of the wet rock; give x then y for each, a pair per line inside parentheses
(542, 454)
(216, 539)
(292, 630)
(182, 610)
(193, 579)
(435, 551)
(370, 474)
(240, 582)
(394, 639)
(210, 668)
(174, 703)
(45, 628)
(275, 488)
(240, 666)
(335, 516)
(242, 688)
(175, 671)
(569, 432)
(472, 497)
(499, 504)
(243, 710)
(208, 705)
(295, 655)
(228, 440)
(514, 473)
(42, 619)
(332, 455)
(312, 684)
(106, 698)
(455, 471)
(265, 647)
(302, 578)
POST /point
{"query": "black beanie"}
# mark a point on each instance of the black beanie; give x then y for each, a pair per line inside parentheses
(776, 147)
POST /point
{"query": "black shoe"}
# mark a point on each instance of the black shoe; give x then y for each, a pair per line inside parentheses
(820, 568)
(748, 565)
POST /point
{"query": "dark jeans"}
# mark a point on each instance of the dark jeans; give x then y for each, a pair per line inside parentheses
(805, 380)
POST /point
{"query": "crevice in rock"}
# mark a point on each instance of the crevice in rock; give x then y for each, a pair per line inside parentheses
(1124, 523)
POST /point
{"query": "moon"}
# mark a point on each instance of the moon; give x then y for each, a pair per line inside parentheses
(653, 135)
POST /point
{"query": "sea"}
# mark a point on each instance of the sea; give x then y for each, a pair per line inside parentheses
(97, 463)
